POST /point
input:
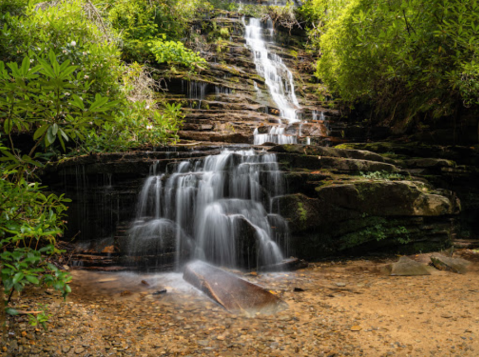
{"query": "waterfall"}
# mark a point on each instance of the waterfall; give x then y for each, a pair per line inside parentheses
(194, 90)
(318, 117)
(218, 209)
(278, 79)
(275, 135)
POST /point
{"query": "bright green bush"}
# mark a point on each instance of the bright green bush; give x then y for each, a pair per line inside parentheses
(50, 99)
(30, 222)
(174, 52)
(140, 22)
(136, 127)
(404, 57)
(74, 36)
(62, 82)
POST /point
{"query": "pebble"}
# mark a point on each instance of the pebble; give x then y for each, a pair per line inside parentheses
(79, 350)
(314, 325)
(66, 349)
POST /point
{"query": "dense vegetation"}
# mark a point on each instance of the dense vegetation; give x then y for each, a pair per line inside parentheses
(402, 57)
(76, 77)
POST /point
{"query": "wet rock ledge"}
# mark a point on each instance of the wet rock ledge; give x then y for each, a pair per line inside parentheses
(339, 200)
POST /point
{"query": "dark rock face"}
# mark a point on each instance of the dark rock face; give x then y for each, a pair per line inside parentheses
(369, 204)
(448, 168)
(363, 204)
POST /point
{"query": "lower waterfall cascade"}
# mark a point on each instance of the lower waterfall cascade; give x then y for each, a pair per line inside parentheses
(218, 208)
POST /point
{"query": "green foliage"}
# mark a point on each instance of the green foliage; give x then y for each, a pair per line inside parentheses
(302, 212)
(174, 52)
(40, 318)
(63, 83)
(26, 266)
(143, 21)
(52, 99)
(28, 215)
(137, 126)
(405, 57)
(30, 221)
(283, 16)
(382, 175)
(378, 229)
(66, 29)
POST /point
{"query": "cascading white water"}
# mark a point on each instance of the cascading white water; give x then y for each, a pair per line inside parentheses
(213, 209)
(275, 135)
(278, 79)
(318, 115)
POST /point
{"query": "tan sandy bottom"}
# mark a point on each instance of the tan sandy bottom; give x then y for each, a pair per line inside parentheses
(346, 309)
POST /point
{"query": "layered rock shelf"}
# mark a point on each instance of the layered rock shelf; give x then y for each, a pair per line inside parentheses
(338, 201)
(228, 100)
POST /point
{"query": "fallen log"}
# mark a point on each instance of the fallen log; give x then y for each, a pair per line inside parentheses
(233, 293)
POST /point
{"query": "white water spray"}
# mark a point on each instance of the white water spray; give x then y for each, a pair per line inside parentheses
(213, 209)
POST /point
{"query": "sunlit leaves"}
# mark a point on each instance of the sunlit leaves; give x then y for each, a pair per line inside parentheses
(415, 55)
(174, 52)
(52, 105)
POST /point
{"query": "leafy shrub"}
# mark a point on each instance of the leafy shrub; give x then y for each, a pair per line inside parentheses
(30, 221)
(382, 175)
(404, 57)
(50, 98)
(137, 126)
(62, 81)
(143, 21)
(67, 30)
(173, 52)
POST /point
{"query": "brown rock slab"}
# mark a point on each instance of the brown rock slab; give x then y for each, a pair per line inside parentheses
(233, 293)
(456, 265)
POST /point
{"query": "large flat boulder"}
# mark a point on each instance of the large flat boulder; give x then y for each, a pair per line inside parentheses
(456, 265)
(407, 267)
(233, 293)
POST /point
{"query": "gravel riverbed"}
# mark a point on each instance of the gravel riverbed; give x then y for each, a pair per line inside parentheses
(347, 308)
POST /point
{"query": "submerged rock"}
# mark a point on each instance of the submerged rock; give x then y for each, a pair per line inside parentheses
(456, 265)
(234, 294)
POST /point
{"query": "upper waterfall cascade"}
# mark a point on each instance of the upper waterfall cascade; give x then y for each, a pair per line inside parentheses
(278, 79)
(217, 209)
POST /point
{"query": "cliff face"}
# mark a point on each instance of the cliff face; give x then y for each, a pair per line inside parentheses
(337, 201)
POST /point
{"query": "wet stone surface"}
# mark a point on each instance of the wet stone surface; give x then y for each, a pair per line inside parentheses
(335, 309)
